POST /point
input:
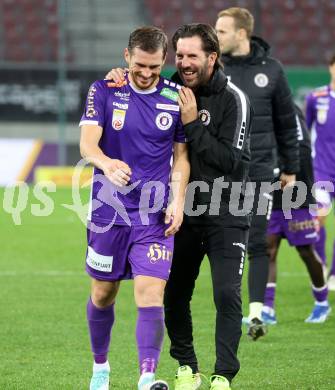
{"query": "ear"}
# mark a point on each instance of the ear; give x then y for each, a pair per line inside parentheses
(126, 55)
(212, 58)
(242, 34)
(163, 62)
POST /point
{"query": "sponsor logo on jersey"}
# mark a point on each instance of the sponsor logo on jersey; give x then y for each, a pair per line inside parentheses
(90, 110)
(169, 94)
(164, 120)
(322, 115)
(169, 107)
(261, 80)
(205, 117)
(123, 106)
(122, 95)
(158, 252)
(118, 119)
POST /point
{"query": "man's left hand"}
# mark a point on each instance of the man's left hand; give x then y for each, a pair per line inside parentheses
(287, 180)
(174, 215)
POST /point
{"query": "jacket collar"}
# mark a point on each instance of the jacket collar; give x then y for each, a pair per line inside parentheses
(259, 49)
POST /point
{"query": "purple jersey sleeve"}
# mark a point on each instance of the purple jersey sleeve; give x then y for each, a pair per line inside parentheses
(179, 133)
(95, 105)
(310, 110)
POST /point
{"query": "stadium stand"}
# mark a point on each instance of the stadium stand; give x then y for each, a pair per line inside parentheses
(30, 30)
(292, 27)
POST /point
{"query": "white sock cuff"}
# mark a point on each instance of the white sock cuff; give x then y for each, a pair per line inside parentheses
(101, 367)
(319, 288)
(322, 303)
(271, 285)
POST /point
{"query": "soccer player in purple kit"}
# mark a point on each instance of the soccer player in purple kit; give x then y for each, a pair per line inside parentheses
(130, 132)
(320, 115)
(300, 231)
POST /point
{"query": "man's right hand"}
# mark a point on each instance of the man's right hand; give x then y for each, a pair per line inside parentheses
(117, 171)
(117, 75)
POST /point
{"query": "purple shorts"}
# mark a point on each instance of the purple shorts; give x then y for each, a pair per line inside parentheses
(302, 229)
(123, 252)
(324, 189)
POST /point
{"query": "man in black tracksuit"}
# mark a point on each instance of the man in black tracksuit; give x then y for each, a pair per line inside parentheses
(216, 118)
(248, 65)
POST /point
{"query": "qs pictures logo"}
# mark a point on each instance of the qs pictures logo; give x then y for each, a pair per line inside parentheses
(159, 252)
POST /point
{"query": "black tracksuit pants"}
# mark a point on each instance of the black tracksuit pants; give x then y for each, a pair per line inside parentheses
(225, 248)
(257, 248)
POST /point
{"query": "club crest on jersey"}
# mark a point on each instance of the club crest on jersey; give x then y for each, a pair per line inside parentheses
(118, 119)
(164, 120)
(205, 117)
(322, 115)
(261, 80)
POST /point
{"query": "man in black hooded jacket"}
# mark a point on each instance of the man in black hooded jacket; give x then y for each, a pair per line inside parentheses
(248, 64)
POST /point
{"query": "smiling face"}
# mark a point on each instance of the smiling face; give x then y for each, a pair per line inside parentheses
(144, 67)
(193, 64)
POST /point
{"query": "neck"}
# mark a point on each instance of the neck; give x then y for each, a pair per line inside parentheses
(243, 49)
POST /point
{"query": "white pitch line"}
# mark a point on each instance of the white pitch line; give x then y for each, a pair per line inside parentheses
(42, 273)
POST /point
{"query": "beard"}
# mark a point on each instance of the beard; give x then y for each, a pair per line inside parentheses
(201, 76)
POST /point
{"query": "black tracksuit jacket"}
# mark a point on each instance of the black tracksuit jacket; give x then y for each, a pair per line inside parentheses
(218, 143)
(274, 128)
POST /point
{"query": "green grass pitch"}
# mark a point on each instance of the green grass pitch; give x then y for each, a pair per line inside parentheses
(43, 334)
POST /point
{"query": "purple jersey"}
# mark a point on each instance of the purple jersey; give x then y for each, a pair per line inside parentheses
(320, 115)
(139, 128)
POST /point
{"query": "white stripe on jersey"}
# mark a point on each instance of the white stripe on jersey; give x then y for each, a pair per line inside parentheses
(88, 122)
(240, 139)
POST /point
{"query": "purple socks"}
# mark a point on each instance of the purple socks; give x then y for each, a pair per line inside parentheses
(100, 322)
(270, 293)
(320, 245)
(320, 294)
(149, 336)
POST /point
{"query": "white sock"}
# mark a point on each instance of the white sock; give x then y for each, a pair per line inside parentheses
(255, 310)
(147, 376)
(101, 367)
(268, 310)
(322, 303)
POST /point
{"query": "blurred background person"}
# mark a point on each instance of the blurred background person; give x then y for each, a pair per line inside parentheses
(301, 231)
(320, 117)
(248, 64)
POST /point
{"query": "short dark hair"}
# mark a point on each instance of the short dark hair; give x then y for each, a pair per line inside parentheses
(149, 39)
(331, 60)
(205, 32)
(242, 18)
